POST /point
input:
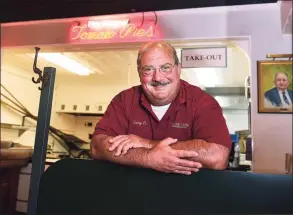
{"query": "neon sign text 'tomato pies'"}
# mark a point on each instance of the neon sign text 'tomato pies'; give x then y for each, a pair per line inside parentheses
(84, 33)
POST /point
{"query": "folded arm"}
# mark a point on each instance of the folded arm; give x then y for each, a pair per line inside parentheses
(100, 150)
(210, 155)
(211, 138)
(160, 157)
(115, 122)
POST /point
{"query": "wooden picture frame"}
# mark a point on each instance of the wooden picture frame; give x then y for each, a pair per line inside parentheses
(271, 83)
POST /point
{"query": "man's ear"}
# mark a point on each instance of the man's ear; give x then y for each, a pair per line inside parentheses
(179, 68)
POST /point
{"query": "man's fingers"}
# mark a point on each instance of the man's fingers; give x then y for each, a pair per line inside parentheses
(116, 138)
(188, 169)
(182, 172)
(120, 147)
(126, 147)
(169, 141)
(117, 142)
(187, 163)
(185, 153)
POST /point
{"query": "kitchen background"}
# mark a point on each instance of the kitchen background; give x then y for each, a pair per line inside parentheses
(250, 32)
(77, 98)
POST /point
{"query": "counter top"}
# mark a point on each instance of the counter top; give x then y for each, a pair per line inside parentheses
(13, 163)
(15, 157)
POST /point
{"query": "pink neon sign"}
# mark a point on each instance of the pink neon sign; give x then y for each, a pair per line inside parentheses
(122, 30)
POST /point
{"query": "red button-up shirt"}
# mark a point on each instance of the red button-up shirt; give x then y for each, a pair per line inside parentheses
(194, 114)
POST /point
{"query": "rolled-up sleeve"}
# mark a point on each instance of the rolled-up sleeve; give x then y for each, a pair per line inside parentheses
(114, 121)
(210, 125)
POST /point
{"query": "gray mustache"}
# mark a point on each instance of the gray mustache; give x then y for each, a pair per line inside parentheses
(157, 83)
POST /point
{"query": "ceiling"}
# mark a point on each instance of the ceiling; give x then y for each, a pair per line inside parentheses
(113, 65)
(103, 63)
(43, 10)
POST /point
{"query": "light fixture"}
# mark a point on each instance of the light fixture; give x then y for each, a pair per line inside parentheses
(66, 63)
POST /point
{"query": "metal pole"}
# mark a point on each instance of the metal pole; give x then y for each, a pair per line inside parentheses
(41, 139)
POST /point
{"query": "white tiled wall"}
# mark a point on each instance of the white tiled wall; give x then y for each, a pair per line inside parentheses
(236, 120)
(82, 129)
(23, 188)
(8, 134)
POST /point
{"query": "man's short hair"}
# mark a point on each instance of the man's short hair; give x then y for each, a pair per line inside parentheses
(160, 44)
(278, 73)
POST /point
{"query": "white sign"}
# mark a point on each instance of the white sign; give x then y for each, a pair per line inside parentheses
(107, 23)
(204, 57)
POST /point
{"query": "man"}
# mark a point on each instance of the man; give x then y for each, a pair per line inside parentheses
(279, 96)
(165, 123)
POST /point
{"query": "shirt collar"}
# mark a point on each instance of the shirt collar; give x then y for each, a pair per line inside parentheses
(281, 91)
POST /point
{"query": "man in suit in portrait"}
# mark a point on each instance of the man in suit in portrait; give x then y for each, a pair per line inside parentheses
(279, 96)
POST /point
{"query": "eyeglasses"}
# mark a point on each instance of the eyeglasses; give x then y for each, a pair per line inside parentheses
(150, 70)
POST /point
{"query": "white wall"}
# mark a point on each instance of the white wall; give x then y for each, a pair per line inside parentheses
(19, 83)
(82, 130)
(237, 120)
(87, 90)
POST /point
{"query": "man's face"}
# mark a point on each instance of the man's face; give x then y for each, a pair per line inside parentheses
(159, 76)
(281, 81)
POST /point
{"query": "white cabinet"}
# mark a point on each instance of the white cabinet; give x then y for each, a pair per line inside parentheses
(77, 108)
(23, 188)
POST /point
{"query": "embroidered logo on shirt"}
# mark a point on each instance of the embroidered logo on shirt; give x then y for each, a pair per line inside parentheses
(142, 123)
(179, 125)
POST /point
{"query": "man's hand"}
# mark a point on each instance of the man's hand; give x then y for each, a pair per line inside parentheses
(122, 143)
(165, 159)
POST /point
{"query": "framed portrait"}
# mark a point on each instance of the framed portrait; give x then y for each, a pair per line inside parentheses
(274, 80)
